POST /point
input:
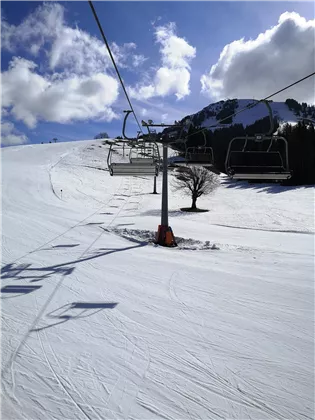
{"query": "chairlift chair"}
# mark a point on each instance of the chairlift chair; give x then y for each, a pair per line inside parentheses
(143, 156)
(261, 156)
(196, 155)
(265, 164)
(145, 166)
(144, 153)
(133, 168)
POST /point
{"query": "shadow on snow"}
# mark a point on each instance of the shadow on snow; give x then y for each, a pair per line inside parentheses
(271, 188)
(76, 310)
(34, 274)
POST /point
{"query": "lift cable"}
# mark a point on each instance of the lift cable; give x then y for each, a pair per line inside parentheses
(113, 61)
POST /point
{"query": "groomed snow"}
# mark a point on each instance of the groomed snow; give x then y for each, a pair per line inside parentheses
(99, 323)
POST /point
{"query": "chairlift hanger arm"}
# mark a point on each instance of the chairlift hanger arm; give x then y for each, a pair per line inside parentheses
(138, 139)
(109, 155)
(128, 112)
(271, 129)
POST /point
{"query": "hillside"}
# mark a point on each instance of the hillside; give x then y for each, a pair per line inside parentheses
(99, 323)
(287, 111)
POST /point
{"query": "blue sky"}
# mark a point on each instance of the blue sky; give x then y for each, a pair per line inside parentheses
(179, 43)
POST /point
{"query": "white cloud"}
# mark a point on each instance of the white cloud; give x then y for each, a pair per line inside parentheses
(142, 92)
(276, 58)
(6, 127)
(176, 52)
(13, 139)
(172, 80)
(33, 32)
(174, 75)
(73, 81)
(67, 49)
(138, 60)
(10, 136)
(154, 108)
(32, 97)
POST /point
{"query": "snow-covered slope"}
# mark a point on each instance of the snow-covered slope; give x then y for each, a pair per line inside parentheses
(98, 323)
(210, 115)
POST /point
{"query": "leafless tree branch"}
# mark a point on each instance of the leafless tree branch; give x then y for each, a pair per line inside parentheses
(195, 181)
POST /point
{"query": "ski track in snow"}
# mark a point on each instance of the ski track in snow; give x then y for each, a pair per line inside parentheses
(195, 332)
(22, 343)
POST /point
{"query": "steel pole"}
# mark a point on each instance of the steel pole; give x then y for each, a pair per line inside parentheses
(154, 186)
(164, 217)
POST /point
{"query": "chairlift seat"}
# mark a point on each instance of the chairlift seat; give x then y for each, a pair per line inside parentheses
(200, 159)
(142, 161)
(190, 162)
(132, 169)
(261, 176)
(196, 159)
(255, 158)
(196, 156)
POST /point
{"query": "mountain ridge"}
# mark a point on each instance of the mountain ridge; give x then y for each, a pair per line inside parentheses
(289, 111)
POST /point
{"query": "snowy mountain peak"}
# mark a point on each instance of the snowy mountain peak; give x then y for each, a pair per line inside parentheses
(289, 111)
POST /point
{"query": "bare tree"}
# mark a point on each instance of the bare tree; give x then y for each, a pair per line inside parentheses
(195, 181)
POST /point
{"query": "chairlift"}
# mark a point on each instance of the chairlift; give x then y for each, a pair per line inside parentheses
(143, 156)
(146, 167)
(201, 155)
(261, 157)
(143, 153)
(265, 164)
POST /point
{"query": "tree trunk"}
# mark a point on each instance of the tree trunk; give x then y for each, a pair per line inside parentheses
(193, 204)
